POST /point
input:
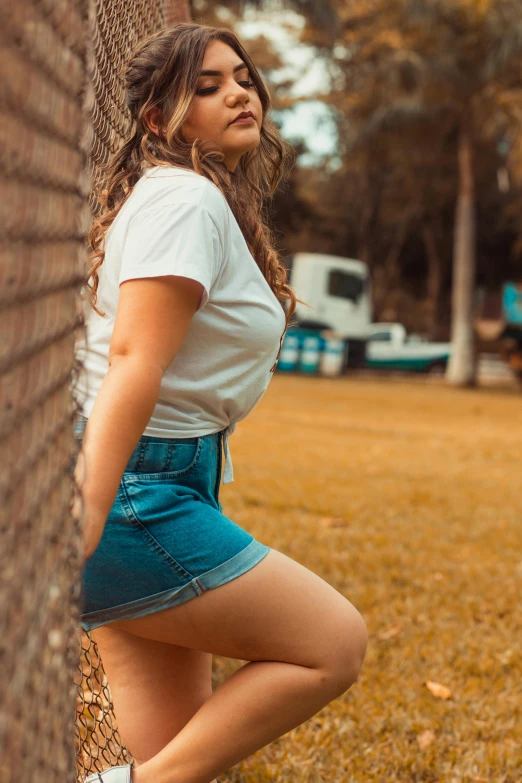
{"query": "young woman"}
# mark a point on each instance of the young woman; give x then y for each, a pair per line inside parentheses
(182, 339)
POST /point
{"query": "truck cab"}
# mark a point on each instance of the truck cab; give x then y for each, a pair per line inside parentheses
(338, 293)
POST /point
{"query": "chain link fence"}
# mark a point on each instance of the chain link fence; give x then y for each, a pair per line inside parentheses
(62, 114)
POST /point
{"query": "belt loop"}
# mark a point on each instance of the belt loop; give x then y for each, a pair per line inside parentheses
(228, 476)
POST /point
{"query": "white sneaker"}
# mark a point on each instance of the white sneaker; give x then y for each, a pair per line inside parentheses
(111, 775)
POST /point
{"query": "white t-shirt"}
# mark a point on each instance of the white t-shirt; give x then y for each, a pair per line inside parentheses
(176, 222)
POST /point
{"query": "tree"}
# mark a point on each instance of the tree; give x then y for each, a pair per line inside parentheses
(454, 64)
(401, 80)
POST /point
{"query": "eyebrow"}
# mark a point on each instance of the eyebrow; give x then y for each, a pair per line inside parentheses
(220, 73)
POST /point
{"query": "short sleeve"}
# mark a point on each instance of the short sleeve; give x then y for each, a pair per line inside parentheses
(176, 239)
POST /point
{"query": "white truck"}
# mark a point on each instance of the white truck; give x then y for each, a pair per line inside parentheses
(390, 348)
(338, 291)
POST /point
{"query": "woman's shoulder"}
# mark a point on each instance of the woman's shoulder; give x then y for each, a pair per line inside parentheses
(174, 184)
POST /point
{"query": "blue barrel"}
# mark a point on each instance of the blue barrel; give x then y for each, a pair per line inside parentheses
(332, 357)
(289, 355)
(310, 355)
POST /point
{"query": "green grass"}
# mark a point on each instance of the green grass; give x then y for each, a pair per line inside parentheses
(423, 483)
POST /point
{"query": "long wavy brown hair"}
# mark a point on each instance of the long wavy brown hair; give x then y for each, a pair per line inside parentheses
(163, 73)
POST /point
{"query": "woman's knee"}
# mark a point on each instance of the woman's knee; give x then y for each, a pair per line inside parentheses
(346, 651)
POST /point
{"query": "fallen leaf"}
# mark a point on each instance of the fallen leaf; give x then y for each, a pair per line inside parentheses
(504, 657)
(438, 690)
(333, 522)
(393, 631)
(425, 739)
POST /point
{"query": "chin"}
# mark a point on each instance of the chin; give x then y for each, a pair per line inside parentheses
(248, 147)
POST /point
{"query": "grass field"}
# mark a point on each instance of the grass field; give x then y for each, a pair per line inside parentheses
(406, 497)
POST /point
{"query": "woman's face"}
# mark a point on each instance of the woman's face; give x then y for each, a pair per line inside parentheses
(220, 97)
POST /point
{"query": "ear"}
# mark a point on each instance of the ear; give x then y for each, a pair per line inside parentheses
(152, 117)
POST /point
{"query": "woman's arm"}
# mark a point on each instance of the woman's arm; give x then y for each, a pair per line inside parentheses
(151, 322)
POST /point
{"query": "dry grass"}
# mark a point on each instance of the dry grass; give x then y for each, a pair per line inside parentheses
(423, 485)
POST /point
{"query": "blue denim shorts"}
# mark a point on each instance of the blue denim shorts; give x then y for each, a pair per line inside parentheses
(166, 539)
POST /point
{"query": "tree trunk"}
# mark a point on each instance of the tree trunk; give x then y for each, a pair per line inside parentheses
(461, 367)
(434, 276)
(364, 238)
(387, 279)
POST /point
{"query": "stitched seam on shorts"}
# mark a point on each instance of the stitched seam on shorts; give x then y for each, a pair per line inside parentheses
(219, 467)
(149, 538)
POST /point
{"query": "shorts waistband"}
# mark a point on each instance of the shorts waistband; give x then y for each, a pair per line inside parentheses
(228, 473)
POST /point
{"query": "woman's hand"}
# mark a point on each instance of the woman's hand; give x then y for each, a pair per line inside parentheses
(91, 522)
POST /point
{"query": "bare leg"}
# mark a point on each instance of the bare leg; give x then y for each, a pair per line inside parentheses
(305, 643)
(156, 688)
(256, 705)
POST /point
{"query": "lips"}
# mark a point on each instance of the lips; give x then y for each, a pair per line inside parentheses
(242, 115)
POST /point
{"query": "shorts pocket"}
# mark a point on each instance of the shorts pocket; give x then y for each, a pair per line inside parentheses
(164, 462)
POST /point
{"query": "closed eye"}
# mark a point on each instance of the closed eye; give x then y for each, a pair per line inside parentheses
(208, 90)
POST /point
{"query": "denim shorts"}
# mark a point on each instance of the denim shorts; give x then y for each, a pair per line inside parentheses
(166, 539)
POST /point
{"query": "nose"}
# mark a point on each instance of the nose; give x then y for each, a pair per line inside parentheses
(238, 92)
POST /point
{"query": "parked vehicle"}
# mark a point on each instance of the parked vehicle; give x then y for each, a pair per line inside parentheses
(390, 348)
(338, 291)
(500, 321)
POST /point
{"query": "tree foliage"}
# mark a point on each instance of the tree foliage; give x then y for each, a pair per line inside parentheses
(437, 79)
(428, 100)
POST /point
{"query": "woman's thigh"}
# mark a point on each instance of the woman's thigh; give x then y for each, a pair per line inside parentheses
(278, 610)
(156, 687)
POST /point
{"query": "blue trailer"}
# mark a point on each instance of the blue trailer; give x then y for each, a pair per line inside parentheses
(512, 333)
(501, 322)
